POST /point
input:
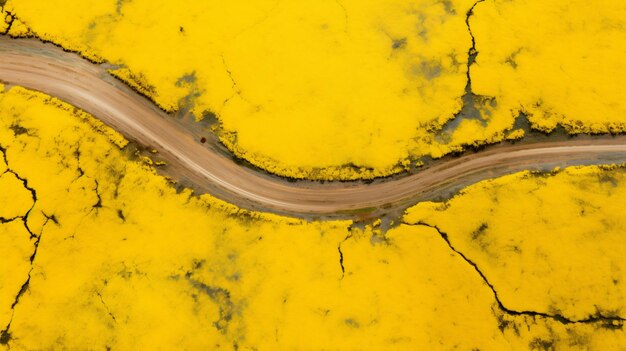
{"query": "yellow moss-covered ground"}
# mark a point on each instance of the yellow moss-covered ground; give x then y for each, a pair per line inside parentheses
(567, 226)
(561, 63)
(327, 89)
(103, 253)
(341, 89)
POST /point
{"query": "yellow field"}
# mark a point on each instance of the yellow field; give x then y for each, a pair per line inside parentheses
(121, 260)
(559, 63)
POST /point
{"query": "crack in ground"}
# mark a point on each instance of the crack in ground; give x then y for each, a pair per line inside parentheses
(3, 151)
(10, 23)
(556, 317)
(5, 335)
(32, 191)
(106, 307)
(472, 53)
(234, 86)
(343, 269)
(471, 101)
(81, 173)
(98, 203)
(33, 195)
(341, 256)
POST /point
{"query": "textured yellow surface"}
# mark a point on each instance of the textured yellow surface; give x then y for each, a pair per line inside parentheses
(350, 89)
(121, 260)
(552, 244)
(326, 89)
(561, 63)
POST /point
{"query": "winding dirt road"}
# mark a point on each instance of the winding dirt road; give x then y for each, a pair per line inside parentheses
(47, 68)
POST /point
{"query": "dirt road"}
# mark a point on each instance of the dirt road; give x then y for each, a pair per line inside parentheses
(67, 76)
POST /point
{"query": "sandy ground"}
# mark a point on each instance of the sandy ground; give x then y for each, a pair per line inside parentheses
(207, 168)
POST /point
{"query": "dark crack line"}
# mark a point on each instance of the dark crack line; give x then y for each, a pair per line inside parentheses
(469, 96)
(556, 317)
(52, 218)
(98, 203)
(81, 173)
(9, 220)
(5, 335)
(341, 256)
(95, 207)
(343, 270)
(235, 87)
(106, 307)
(24, 181)
(472, 53)
(10, 23)
(469, 109)
(33, 195)
(4, 155)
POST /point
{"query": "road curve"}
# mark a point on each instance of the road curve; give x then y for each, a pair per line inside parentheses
(47, 68)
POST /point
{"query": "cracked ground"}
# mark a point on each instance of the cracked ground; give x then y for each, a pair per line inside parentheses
(99, 251)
